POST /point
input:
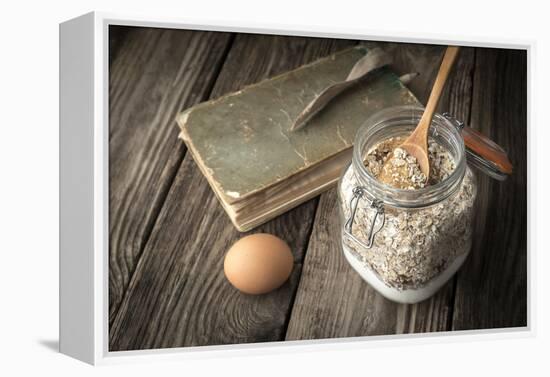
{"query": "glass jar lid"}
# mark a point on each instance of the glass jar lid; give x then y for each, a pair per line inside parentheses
(476, 160)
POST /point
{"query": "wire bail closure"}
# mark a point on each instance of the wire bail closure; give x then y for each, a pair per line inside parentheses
(376, 204)
(457, 123)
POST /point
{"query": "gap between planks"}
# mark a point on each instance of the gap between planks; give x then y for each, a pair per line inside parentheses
(179, 161)
(132, 42)
(142, 336)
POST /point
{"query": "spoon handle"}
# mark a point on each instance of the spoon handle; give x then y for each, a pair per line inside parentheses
(444, 70)
(419, 136)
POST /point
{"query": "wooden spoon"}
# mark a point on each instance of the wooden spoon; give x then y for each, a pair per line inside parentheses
(417, 143)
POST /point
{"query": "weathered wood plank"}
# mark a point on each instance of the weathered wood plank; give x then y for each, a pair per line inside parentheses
(178, 295)
(156, 74)
(332, 300)
(117, 38)
(492, 286)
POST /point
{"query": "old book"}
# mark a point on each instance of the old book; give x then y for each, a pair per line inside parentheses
(257, 167)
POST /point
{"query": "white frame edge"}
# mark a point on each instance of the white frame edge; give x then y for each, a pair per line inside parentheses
(76, 188)
(84, 172)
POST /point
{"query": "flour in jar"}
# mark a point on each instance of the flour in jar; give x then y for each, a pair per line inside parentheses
(414, 245)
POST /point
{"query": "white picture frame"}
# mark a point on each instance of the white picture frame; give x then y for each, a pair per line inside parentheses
(84, 192)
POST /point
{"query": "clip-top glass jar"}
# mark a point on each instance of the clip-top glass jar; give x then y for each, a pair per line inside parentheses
(406, 243)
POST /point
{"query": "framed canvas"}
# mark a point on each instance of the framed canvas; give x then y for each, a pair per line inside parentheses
(183, 188)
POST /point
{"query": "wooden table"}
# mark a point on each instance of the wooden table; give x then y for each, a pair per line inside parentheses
(169, 234)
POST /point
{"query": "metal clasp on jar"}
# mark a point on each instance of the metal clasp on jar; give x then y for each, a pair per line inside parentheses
(375, 204)
(457, 123)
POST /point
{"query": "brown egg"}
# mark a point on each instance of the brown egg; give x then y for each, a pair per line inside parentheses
(258, 263)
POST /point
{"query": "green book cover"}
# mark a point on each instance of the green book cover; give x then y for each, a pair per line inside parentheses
(242, 141)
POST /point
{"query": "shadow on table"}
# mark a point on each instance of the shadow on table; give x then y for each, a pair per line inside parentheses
(52, 345)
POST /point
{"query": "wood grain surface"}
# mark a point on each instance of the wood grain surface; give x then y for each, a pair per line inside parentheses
(179, 289)
(492, 285)
(168, 233)
(156, 74)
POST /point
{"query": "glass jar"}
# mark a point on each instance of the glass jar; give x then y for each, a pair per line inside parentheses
(407, 243)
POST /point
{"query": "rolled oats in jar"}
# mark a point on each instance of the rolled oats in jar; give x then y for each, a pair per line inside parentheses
(409, 238)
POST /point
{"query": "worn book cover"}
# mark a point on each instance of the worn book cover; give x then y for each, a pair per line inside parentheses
(255, 164)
